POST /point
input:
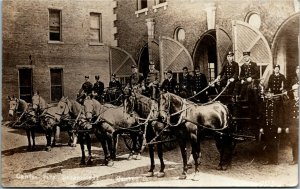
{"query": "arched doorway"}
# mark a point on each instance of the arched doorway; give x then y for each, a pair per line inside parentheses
(205, 54)
(144, 60)
(285, 48)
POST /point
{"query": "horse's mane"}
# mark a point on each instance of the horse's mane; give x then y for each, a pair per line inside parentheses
(23, 105)
(143, 105)
(75, 107)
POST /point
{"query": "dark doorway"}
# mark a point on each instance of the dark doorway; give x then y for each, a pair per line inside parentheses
(25, 84)
(205, 55)
(144, 60)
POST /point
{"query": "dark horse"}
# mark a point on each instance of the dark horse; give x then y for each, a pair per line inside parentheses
(26, 118)
(109, 121)
(191, 119)
(147, 109)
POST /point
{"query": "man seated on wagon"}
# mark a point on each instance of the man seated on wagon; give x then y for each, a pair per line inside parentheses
(114, 89)
(169, 84)
(229, 73)
(85, 90)
(152, 81)
(249, 72)
(136, 81)
(200, 82)
(98, 88)
(186, 85)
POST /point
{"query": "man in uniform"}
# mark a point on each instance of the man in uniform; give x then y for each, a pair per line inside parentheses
(274, 116)
(186, 85)
(152, 81)
(85, 90)
(114, 83)
(249, 72)
(229, 73)
(169, 84)
(115, 89)
(98, 88)
(136, 80)
(200, 82)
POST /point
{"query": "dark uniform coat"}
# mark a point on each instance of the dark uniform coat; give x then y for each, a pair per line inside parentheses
(293, 123)
(230, 71)
(98, 88)
(200, 82)
(86, 87)
(276, 82)
(152, 78)
(186, 86)
(250, 70)
(115, 84)
(136, 79)
(169, 85)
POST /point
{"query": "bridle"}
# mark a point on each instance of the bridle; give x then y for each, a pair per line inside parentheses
(16, 107)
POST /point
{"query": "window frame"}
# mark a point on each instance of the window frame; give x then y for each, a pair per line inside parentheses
(62, 82)
(100, 42)
(60, 26)
(31, 82)
(158, 4)
(139, 9)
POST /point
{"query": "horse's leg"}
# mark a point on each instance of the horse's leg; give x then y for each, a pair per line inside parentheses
(110, 144)
(182, 137)
(160, 156)
(195, 143)
(54, 135)
(32, 130)
(28, 138)
(227, 145)
(114, 148)
(81, 141)
(149, 137)
(89, 147)
(57, 133)
(48, 134)
(218, 139)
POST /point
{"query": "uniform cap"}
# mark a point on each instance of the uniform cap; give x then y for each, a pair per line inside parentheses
(197, 68)
(230, 53)
(133, 66)
(246, 53)
(113, 75)
(185, 68)
(277, 66)
(86, 77)
(97, 77)
(151, 63)
(169, 71)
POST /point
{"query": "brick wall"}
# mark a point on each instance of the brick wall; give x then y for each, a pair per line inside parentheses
(25, 32)
(191, 16)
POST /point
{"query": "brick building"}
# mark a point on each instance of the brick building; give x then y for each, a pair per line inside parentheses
(51, 45)
(177, 33)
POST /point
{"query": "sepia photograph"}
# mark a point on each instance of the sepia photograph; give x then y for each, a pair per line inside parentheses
(150, 93)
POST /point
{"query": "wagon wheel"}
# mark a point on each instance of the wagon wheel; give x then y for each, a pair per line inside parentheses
(170, 141)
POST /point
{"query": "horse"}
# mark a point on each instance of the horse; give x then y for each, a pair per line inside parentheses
(147, 109)
(192, 120)
(55, 117)
(109, 121)
(27, 118)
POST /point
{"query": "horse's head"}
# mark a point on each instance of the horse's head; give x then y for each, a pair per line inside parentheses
(63, 106)
(89, 108)
(164, 106)
(38, 103)
(13, 105)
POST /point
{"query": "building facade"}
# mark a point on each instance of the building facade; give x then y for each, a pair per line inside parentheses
(50, 46)
(192, 33)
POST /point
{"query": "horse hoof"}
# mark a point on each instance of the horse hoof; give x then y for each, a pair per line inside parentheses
(150, 174)
(160, 174)
(183, 176)
(189, 166)
(82, 162)
(48, 148)
(130, 157)
(89, 161)
(110, 163)
(195, 177)
(73, 145)
(138, 157)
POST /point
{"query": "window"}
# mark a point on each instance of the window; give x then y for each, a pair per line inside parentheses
(143, 4)
(160, 3)
(54, 25)
(95, 28)
(56, 84)
(25, 84)
(179, 34)
(142, 7)
(253, 19)
(211, 71)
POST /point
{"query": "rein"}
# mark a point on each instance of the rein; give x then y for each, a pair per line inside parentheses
(203, 90)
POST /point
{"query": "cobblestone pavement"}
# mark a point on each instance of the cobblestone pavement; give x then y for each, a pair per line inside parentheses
(60, 167)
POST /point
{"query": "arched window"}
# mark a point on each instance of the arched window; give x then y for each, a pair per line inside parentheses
(253, 18)
(179, 34)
